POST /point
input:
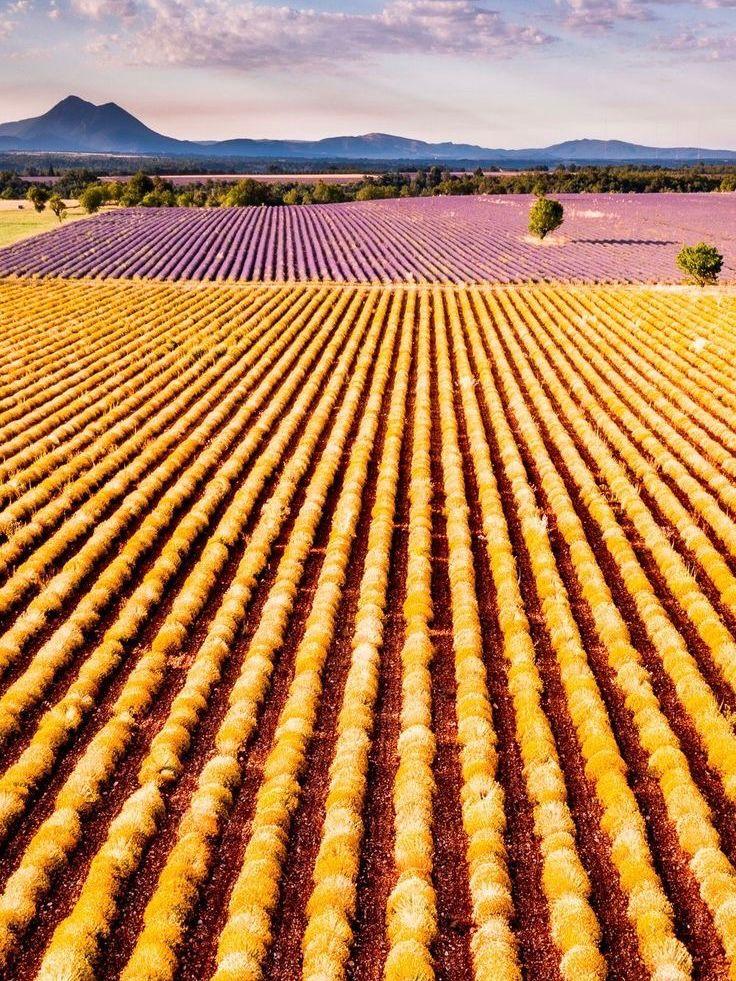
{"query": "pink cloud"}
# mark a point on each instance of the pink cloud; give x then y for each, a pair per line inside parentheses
(251, 35)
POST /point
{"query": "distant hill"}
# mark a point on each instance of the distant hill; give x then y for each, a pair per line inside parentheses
(612, 151)
(77, 126)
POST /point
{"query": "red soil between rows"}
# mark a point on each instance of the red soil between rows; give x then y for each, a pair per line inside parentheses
(452, 949)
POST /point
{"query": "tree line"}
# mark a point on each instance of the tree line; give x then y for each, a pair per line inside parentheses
(154, 191)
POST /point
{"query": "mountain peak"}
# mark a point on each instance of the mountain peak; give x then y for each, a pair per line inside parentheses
(73, 102)
(112, 107)
(74, 124)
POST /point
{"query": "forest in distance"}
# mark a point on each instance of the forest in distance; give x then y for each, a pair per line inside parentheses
(151, 189)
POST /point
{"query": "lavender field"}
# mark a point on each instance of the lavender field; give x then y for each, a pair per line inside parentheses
(605, 238)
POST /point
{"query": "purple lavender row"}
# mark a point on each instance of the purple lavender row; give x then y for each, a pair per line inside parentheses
(605, 238)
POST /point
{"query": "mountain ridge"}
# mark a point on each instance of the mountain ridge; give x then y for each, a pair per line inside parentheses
(78, 126)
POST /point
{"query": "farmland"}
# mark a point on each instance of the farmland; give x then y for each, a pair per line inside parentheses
(19, 221)
(605, 238)
(352, 630)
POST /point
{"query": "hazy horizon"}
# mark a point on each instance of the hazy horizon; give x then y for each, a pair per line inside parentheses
(522, 74)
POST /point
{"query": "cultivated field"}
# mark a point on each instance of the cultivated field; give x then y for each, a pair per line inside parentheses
(353, 631)
(19, 220)
(605, 238)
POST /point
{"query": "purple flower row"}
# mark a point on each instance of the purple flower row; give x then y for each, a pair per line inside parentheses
(605, 238)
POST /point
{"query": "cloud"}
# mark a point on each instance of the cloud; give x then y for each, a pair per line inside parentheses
(704, 47)
(589, 16)
(602, 15)
(250, 35)
(97, 9)
(11, 12)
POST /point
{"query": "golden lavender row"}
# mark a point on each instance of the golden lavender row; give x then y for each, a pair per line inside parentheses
(484, 818)
(89, 439)
(331, 905)
(411, 915)
(673, 453)
(88, 391)
(129, 448)
(128, 833)
(677, 568)
(620, 819)
(86, 614)
(244, 940)
(229, 687)
(32, 344)
(67, 715)
(109, 744)
(572, 922)
(91, 434)
(688, 811)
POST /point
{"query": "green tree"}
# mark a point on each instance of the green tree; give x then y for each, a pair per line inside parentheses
(56, 204)
(373, 192)
(114, 190)
(728, 183)
(73, 182)
(186, 199)
(702, 262)
(327, 193)
(545, 216)
(38, 196)
(136, 189)
(247, 192)
(158, 198)
(434, 176)
(293, 196)
(92, 198)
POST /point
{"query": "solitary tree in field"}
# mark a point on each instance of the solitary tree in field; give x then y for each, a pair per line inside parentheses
(544, 216)
(92, 198)
(38, 196)
(58, 207)
(702, 262)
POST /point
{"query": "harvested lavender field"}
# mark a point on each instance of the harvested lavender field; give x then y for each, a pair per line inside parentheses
(605, 238)
(367, 633)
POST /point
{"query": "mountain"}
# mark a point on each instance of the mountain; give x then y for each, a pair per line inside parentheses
(610, 151)
(77, 126)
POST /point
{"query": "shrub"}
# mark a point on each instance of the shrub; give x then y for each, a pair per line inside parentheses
(373, 192)
(92, 198)
(247, 192)
(56, 204)
(38, 196)
(136, 189)
(327, 193)
(545, 216)
(702, 262)
(158, 198)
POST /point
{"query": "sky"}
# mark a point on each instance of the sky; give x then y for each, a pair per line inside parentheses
(517, 73)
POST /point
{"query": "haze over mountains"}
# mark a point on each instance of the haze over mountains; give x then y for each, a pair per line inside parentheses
(74, 125)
